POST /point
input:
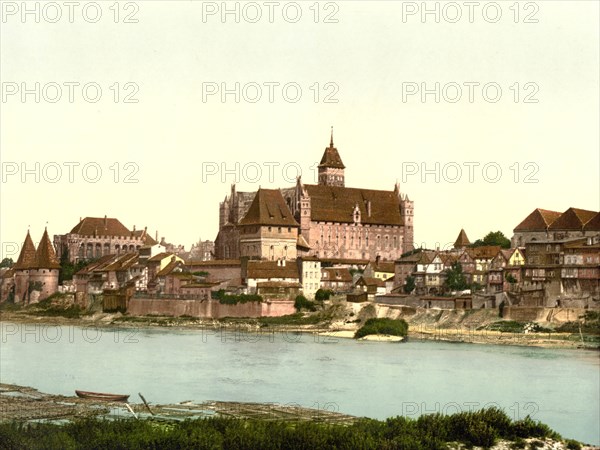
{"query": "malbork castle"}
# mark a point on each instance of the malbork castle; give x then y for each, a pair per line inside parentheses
(327, 220)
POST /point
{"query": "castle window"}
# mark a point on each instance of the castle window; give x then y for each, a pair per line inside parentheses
(279, 230)
(270, 229)
(289, 229)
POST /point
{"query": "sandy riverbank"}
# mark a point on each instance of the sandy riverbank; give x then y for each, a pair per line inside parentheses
(417, 331)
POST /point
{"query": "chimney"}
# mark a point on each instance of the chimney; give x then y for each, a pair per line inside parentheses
(105, 222)
(156, 236)
(134, 228)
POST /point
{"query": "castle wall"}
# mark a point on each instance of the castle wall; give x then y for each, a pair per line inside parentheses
(210, 309)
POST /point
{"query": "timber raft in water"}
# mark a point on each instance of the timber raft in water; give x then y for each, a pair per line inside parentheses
(26, 404)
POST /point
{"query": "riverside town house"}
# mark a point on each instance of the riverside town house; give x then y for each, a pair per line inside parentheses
(326, 220)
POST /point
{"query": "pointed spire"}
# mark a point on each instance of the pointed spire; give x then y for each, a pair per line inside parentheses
(27, 256)
(331, 141)
(462, 240)
(45, 255)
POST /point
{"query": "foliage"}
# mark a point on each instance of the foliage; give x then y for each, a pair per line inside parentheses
(394, 327)
(455, 279)
(51, 308)
(230, 299)
(323, 294)
(6, 262)
(293, 319)
(302, 302)
(510, 278)
(200, 273)
(410, 284)
(68, 268)
(479, 428)
(493, 238)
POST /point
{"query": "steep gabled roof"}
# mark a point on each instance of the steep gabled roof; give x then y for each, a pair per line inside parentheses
(572, 219)
(538, 220)
(593, 224)
(27, 257)
(336, 204)
(46, 256)
(100, 226)
(462, 240)
(269, 208)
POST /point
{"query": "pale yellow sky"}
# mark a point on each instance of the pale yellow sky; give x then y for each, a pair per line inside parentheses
(369, 57)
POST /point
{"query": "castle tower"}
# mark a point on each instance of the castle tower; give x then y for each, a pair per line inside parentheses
(331, 168)
(44, 276)
(304, 211)
(26, 261)
(407, 212)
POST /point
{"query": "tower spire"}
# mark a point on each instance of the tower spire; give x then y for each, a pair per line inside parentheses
(331, 141)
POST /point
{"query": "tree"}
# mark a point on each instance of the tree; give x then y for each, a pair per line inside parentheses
(493, 238)
(7, 262)
(455, 279)
(409, 286)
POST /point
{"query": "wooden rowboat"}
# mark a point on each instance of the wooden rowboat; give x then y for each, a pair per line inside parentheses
(102, 396)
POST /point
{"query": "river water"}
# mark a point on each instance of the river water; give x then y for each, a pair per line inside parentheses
(373, 379)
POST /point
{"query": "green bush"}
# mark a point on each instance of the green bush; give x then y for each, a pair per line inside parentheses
(383, 326)
(323, 294)
(228, 299)
(302, 302)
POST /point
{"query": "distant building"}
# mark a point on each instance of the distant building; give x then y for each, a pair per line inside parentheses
(94, 237)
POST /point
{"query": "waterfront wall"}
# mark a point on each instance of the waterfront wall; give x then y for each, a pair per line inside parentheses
(540, 314)
(208, 309)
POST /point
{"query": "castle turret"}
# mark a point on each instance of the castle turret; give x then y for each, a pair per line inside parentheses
(26, 261)
(407, 213)
(331, 167)
(44, 276)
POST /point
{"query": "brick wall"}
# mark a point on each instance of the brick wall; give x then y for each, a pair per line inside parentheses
(208, 308)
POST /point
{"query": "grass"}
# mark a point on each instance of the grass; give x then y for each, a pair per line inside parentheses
(480, 428)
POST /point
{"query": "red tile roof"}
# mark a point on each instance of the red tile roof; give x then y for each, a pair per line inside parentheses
(274, 284)
(269, 208)
(538, 220)
(122, 262)
(484, 252)
(572, 219)
(45, 255)
(384, 266)
(100, 226)
(271, 269)
(27, 257)
(369, 281)
(213, 262)
(336, 204)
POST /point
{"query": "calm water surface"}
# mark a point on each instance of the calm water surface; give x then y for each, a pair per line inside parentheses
(373, 379)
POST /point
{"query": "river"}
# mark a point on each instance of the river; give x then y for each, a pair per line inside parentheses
(373, 379)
